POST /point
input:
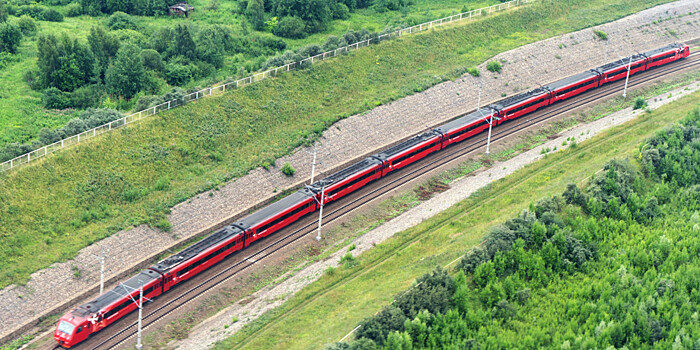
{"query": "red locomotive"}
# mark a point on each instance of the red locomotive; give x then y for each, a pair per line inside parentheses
(81, 322)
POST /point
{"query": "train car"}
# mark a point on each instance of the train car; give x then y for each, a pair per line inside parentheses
(199, 256)
(409, 151)
(521, 104)
(618, 70)
(77, 325)
(278, 215)
(666, 54)
(463, 127)
(572, 86)
(349, 179)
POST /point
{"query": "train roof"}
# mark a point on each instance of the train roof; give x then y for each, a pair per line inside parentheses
(620, 63)
(400, 147)
(360, 166)
(193, 250)
(520, 98)
(462, 121)
(275, 208)
(663, 49)
(118, 293)
(570, 80)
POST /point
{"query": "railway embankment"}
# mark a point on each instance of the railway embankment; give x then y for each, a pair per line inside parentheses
(524, 68)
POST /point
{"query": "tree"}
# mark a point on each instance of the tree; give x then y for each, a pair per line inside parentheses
(255, 13)
(126, 76)
(120, 20)
(183, 45)
(316, 14)
(10, 36)
(3, 13)
(152, 60)
(64, 63)
(104, 46)
(212, 43)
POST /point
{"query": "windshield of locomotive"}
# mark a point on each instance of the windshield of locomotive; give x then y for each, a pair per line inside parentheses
(66, 327)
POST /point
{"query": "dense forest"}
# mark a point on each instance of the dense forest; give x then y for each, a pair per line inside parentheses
(121, 64)
(612, 265)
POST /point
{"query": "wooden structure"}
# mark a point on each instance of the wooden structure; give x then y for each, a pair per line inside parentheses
(181, 9)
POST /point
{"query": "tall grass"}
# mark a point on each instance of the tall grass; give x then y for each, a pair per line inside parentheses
(50, 210)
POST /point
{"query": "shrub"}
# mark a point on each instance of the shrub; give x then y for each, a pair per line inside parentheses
(51, 15)
(340, 11)
(640, 102)
(601, 34)
(309, 50)
(494, 66)
(87, 96)
(177, 74)
(288, 170)
(291, 27)
(120, 20)
(10, 36)
(474, 72)
(152, 60)
(27, 25)
(53, 98)
(74, 10)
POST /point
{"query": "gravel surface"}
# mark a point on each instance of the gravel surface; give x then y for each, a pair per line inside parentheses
(220, 326)
(524, 68)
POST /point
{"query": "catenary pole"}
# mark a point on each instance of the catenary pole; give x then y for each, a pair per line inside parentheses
(320, 212)
(139, 346)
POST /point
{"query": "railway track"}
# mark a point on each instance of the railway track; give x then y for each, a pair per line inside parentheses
(121, 332)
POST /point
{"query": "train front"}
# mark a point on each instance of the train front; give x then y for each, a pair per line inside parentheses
(70, 330)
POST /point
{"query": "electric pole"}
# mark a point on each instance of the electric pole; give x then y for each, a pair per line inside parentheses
(490, 121)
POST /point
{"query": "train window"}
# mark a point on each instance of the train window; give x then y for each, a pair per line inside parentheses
(351, 183)
(80, 329)
(285, 217)
(406, 156)
(65, 327)
(147, 290)
(668, 55)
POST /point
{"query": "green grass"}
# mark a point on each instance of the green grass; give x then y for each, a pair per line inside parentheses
(50, 210)
(22, 114)
(328, 309)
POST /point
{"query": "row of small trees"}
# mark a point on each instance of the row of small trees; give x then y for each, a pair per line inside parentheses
(612, 265)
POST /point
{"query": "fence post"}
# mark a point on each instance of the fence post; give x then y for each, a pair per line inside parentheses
(169, 102)
(78, 138)
(154, 112)
(12, 163)
(94, 132)
(29, 157)
(45, 151)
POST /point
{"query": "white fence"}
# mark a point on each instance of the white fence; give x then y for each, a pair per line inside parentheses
(46, 150)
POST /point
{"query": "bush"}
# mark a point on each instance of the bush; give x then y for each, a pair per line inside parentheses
(601, 34)
(10, 37)
(152, 60)
(120, 20)
(494, 66)
(87, 96)
(340, 11)
(309, 50)
(51, 15)
(74, 10)
(474, 72)
(640, 102)
(291, 27)
(53, 98)
(27, 25)
(288, 170)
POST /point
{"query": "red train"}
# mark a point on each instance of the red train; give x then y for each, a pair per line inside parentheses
(78, 324)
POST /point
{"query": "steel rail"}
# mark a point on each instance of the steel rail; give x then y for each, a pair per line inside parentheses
(456, 152)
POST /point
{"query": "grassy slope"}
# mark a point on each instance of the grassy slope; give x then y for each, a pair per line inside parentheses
(52, 209)
(328, 309)
(21, 112)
